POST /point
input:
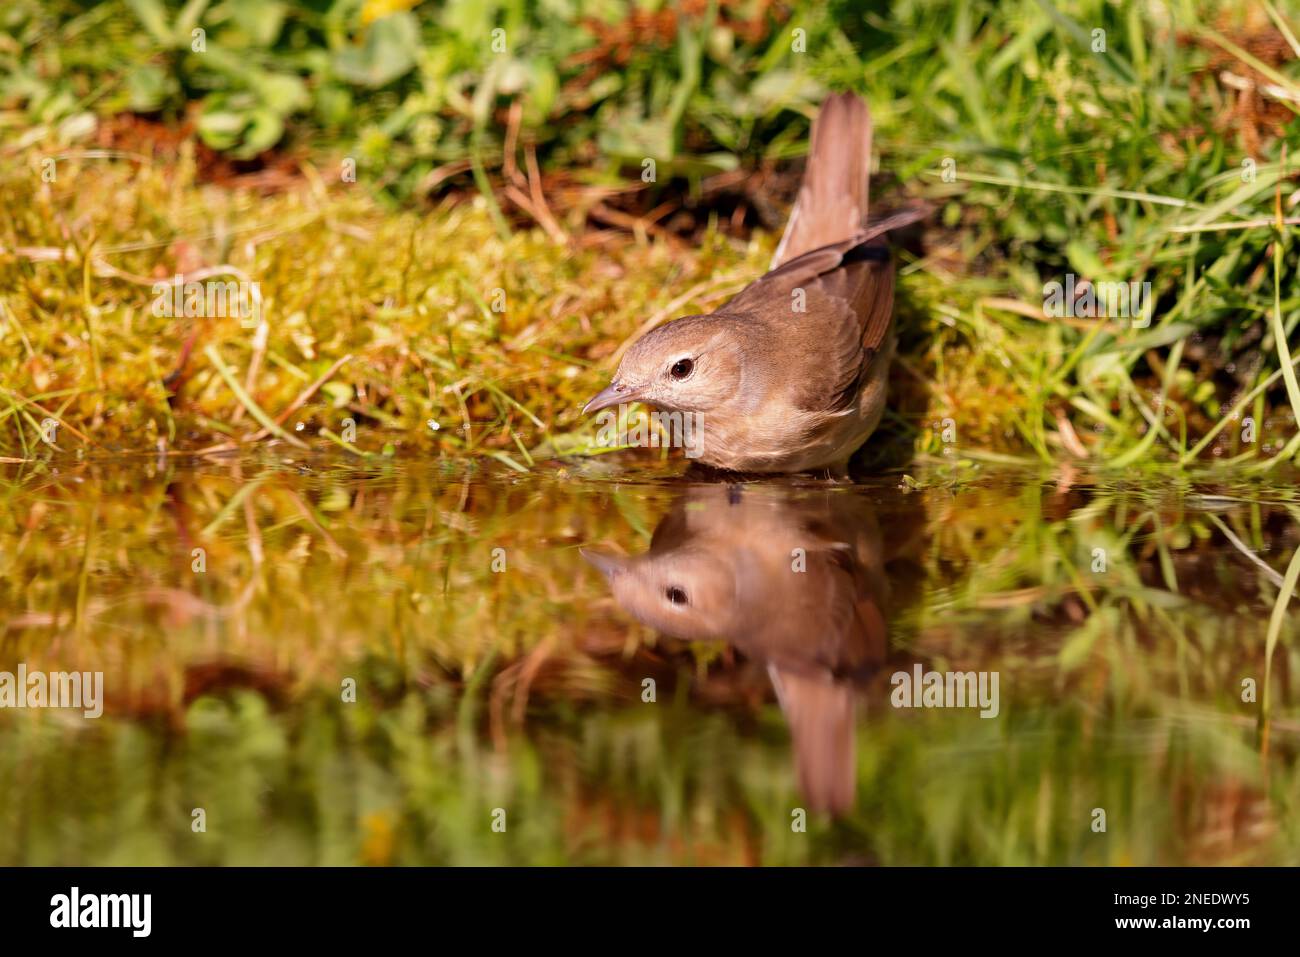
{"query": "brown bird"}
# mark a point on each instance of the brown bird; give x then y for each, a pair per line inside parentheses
(791, 374)
(794, 580)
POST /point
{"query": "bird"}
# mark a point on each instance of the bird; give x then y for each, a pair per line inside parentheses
(794, 579)
(791, 374)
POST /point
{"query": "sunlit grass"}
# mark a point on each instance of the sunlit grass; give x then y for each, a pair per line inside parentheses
(1130, 165)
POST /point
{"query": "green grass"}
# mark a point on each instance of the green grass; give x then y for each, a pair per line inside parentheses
(1147, 162)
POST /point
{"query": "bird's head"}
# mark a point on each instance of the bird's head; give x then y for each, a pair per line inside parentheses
(689, 365)
(688, 593)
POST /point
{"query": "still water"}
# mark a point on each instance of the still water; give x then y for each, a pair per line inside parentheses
(309, 662)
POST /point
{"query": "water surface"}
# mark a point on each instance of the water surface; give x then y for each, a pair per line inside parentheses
(616, 663)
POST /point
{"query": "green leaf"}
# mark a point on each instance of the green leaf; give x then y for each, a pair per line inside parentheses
(189, 19)
(221, 129)
(282, 93)
(153, 17)
(262, 19)
(542, 91)
(1154, 339)
(264, 130)
(387, 53)
(147, 87)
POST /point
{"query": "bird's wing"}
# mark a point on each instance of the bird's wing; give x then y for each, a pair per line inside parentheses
(831, 310)
(852, 270)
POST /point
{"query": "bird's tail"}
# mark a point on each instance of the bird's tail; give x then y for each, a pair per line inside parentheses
(820, 715)
(832, 202)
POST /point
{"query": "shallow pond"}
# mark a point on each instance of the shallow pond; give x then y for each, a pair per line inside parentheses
(306, 661)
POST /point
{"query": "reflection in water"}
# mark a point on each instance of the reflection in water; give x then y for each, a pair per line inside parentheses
(796, 581)
(1145, 638)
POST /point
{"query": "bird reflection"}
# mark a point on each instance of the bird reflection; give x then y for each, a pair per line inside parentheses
(794, 579)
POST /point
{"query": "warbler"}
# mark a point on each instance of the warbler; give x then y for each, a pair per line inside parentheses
(791, 374)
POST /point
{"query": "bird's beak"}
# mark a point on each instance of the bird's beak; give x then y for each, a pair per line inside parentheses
(607, 565)
(612, 394)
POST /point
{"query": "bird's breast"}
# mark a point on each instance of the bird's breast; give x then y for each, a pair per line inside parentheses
(776, 435)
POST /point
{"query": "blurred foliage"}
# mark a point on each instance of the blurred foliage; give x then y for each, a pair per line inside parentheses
(406, 87)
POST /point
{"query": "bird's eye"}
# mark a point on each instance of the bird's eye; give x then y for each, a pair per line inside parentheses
(675, 595)
(682, 368)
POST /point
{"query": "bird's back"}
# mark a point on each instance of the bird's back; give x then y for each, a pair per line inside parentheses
(821, 321)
